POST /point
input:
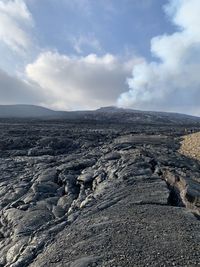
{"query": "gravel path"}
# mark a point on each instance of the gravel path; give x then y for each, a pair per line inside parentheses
(190, 146)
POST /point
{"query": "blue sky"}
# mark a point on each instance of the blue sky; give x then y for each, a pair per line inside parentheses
(83, 54)
(118, 26)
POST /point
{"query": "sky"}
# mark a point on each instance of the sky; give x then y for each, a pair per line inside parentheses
(85, 54)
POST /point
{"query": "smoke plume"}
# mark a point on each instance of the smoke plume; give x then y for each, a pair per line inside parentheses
(171, 81)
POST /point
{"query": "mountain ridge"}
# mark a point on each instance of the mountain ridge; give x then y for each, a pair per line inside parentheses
(110, 113)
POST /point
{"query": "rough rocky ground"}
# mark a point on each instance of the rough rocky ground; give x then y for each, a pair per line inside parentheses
(190, 146)
(107, 195)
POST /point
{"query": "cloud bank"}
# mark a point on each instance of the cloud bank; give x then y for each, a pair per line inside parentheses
(17, 91)
(15, 18)
(172, 81)
(79, 82)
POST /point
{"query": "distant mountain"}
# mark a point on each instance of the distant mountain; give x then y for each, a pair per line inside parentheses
(131, 115)
(25, 111)
(105, 114)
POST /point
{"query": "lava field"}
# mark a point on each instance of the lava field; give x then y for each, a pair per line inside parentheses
(80, 194)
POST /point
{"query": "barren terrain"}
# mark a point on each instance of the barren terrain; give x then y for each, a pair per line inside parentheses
(97, 194)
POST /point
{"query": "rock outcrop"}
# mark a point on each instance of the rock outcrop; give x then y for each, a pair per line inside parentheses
(190, 145)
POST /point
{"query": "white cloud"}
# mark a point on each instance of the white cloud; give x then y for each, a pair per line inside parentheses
(16, 91)
(85, 42)
(79, 82)
(173, 81)
(15, 18)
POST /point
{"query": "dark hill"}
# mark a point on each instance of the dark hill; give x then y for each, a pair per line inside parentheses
(104, 114)
(24, 111)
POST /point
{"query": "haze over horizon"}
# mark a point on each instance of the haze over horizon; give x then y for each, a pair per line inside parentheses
(84, 54)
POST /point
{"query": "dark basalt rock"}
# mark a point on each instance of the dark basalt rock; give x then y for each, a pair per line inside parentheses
(83, 194)
(112, 156)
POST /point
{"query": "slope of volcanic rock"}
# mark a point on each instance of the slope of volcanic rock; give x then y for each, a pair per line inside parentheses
(103, 115)
(97, 195)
